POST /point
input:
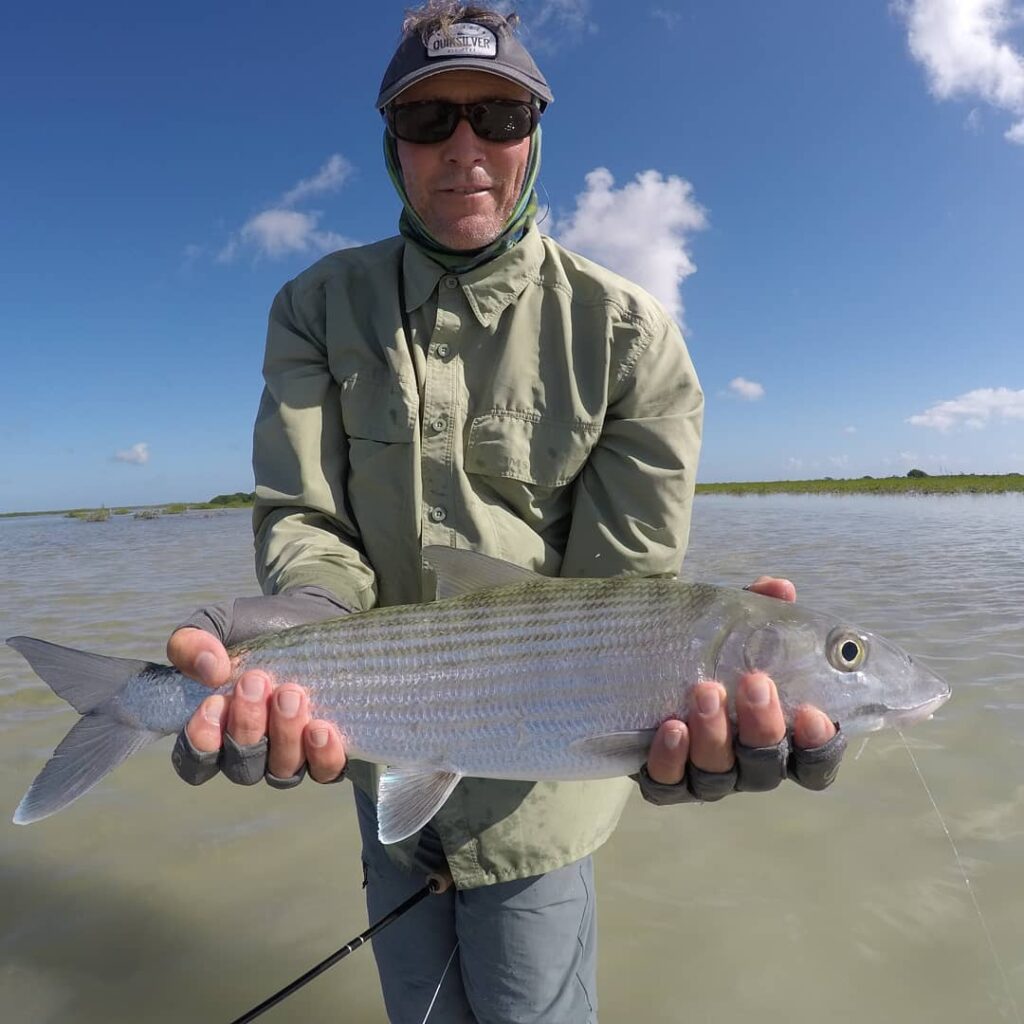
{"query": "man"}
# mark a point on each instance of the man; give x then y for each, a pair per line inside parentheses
(472, 384)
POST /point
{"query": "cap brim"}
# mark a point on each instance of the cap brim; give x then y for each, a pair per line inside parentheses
(531, 85)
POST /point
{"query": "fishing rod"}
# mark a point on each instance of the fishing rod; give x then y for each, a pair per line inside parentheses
(437, 882)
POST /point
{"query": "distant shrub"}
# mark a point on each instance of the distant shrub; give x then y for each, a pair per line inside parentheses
(916, 473)
(238, 498)
(91, 515)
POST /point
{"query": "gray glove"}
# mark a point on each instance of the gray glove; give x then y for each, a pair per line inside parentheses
(757, 770)
(234, 623)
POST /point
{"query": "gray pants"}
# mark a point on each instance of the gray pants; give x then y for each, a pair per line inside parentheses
(527, 949)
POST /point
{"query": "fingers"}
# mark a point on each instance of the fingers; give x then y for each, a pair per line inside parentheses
(710, 731)
(757, 763)
(666, 760)
(243, 716)
(206, 726)
(289, 713)
(325, 751)
(812, 728)
(818, 749)
(758, 715)
(247, 712)
(200, 655)
(759, 718)
(773, 586)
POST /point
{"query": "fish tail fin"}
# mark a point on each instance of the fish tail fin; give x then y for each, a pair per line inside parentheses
(98, 742)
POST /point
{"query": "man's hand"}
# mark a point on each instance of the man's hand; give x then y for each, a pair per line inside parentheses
(239, 723)
(705, 742)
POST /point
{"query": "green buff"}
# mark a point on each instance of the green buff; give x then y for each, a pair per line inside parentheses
(412, 227)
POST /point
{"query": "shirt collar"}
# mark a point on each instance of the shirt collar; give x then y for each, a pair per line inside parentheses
(421, 275)
(489, 289)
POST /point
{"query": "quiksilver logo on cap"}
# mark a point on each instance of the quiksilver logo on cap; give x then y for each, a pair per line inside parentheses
(463, 40)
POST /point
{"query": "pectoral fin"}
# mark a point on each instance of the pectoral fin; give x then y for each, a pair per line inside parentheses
(407, 798)
(622, 745)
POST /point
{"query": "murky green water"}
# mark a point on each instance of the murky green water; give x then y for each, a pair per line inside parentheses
(148, 900)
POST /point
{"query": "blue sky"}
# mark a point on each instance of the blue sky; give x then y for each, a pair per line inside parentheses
(829, 196)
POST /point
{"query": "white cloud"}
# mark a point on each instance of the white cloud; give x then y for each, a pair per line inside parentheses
(669, 17)
(329, 178)
(839, 461)
(547, 25)
(137, 455)
(640, 230)
(965, 50)
(974, 409)
(794, 463)
(749, 390)
(849, 430)
(280, 230)
(191, 255)
(277, 232)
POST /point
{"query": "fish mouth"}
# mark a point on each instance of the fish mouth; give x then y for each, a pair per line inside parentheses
(885, 716)
(909, 716)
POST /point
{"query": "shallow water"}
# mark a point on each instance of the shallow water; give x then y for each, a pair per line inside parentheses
(148, 900)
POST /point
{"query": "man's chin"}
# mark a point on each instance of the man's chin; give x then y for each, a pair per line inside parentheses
(467, 234)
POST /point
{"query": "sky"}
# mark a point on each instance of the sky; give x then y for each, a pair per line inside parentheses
(828, 197)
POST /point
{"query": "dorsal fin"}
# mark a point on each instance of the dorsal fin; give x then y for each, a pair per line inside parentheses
(465, 572)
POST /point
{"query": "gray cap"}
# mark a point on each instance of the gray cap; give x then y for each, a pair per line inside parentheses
(466, 45)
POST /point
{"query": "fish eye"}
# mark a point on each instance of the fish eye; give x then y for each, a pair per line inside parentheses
(846, 651)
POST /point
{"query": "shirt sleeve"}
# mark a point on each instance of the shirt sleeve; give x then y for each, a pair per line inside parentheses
(634, 495)
(305, 533)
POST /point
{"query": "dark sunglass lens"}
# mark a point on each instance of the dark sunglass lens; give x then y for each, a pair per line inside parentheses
(425, 122)
(501, 122)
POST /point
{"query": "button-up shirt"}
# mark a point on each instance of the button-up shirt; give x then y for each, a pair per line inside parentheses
(538, 409)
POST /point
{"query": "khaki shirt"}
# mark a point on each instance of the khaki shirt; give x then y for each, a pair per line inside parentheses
(540, 409)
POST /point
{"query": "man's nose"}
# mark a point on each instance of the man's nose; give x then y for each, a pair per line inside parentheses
(464, 146)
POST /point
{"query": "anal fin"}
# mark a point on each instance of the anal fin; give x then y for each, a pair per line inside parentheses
(407, 798)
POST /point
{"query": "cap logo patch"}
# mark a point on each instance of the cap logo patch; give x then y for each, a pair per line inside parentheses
(463, 40)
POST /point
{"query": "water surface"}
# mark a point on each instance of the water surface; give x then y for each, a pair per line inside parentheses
(148, 900)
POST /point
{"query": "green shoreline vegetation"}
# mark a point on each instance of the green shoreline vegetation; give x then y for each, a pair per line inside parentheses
(916, 482)
(239, 499)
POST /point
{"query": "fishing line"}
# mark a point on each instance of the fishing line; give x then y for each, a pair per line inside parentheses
(437, 990)
(437, 883)
(547, 204)
(967, 881)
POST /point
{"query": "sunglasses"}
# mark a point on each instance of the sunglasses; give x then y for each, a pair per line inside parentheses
(436, 120)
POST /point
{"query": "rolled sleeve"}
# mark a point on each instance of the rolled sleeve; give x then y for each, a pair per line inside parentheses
(633, 498)
(305, 534)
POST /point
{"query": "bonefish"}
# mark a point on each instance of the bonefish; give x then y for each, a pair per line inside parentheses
(507, 675)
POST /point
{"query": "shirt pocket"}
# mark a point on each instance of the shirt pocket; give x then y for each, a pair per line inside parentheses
(375, 407)
(527, 447)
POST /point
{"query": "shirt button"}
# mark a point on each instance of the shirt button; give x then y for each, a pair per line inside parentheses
(442, 351)
(439, 424)
(437, 514)
(451, 282)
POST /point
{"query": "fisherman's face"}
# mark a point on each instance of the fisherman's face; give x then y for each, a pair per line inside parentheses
(464, 188)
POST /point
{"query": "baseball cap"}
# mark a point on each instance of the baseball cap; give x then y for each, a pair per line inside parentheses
(467, 44)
